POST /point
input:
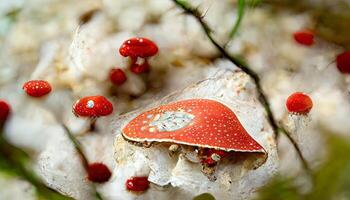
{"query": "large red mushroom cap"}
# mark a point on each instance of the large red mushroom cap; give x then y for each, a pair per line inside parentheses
(138, 47)
(195, 122)
(92, 106)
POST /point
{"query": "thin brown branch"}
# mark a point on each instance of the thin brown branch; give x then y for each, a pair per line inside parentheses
(262, 96)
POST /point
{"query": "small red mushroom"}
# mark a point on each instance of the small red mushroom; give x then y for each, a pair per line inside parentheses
(343, 62)
(138, 49)
(92, 106)
(98, 173)
(299, 103)
(117, 76)
(137, 184)
(37, 88)
(304, 37)
(213, 156)
(4, 111)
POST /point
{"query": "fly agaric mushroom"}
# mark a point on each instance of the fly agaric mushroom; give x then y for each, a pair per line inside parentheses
(137, 184)
(98, 172)
(139, 50)
(304, 37)
(200, 123)
(4, 111)
(343, 62)
(117, 76)
(93, 107)
(37, 88)
(299, 103)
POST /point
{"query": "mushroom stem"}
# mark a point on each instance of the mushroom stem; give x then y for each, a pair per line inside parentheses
(92, 124)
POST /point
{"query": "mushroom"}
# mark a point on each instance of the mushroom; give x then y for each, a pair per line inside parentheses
(343, 62)
(37, 88)
(299, 103)
(117, 76)
(98, 172)
(139, 50)
(137, 184)
(93, 107)
(304, 37)
(4, 111)
(198, 123)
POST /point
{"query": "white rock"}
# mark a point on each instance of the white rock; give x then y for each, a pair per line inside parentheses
(233, 180)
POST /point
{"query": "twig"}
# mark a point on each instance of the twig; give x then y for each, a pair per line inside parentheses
(262, 96)
(81, 154)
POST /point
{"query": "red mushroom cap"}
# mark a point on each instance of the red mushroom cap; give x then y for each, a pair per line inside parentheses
(299, 103)
(137, 184)
(37, 88)
(304, 37)
(4, 110)
(117, 76)
(98, 173)
(138, 47)
(195, 122)
(92, 106)
(343, 62)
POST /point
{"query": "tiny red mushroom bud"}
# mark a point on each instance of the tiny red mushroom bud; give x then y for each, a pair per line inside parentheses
(299, 103)
(137, 184)
(304, 37)
(138, 47)
(4, 111)
(209, 161)
(37, 88)
(98, 173)
(92, 106)
(140, 68)
(343, 62)
(117, 76)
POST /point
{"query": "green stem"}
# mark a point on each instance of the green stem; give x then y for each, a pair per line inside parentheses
(240, 13)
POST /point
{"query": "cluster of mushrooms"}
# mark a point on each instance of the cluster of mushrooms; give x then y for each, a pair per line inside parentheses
(205, 131)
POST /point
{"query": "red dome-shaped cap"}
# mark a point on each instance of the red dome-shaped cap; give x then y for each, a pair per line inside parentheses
(138, 47)
(194, 122)
(92, 106)
(37, 88)
(299, 103)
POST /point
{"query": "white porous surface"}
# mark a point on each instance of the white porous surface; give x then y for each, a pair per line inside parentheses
(235, 90)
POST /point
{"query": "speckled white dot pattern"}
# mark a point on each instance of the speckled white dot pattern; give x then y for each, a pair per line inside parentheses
(213, 125)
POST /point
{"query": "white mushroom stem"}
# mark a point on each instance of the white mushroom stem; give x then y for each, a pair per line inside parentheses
(215, 157)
